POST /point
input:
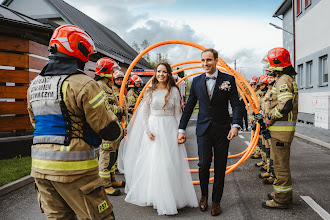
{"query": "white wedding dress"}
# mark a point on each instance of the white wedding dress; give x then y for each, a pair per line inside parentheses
(157, 172)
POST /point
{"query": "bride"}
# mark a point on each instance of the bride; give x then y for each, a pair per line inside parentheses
(155, 166)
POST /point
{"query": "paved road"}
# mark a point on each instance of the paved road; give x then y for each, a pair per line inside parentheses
(243, 194)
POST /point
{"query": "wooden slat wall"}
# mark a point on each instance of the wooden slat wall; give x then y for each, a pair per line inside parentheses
(14, 44)
(14, 76)
(13, 59)
(15, 53)
(15, 123)
(18, 108)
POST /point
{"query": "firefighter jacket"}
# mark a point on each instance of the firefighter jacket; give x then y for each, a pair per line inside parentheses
(265, 105)
(70, 115)
(260, 96)
(106, 85)
(262, 100)
(251, 116)
(116, 92)
(132, 97)
(283, 108)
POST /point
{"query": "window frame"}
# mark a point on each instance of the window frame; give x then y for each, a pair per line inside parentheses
(308, 3)
(298, 7)
(323, 63)
(309, 73)
(300, 76)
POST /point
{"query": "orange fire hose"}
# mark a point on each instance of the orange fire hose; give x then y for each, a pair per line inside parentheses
(241, 83)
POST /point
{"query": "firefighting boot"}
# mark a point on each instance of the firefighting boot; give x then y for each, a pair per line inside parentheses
(264, 175)
(256, 155)
(271, 204)
(118, 172)
(264, 168)
(115, 183)
(271, 195)
(112, 192)
(260, 164)
(269, 180)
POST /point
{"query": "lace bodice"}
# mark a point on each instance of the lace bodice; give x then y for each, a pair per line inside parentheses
(154, 102)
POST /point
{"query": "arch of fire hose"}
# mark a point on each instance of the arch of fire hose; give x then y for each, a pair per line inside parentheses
(241, 81)
(192, 67)
(248, 91)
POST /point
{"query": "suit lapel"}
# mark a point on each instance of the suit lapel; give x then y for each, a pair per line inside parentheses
(217, 84)
(203, 86)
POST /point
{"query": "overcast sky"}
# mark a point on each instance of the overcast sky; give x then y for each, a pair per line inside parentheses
(237, 29)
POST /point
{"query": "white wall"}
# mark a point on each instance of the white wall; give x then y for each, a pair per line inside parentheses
(313, 30)
(306, 101)
(39, 7)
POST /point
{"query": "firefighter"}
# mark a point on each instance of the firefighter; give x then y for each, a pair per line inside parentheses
(263, 86)
(135, 84)
(118, 77)
(272, 76)
(253, 82)
(69, 113)
(281, 122)
(105, 68)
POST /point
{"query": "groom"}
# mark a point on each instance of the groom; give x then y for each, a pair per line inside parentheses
(213, 89)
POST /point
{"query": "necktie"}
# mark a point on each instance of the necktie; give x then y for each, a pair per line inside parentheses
(211, 77)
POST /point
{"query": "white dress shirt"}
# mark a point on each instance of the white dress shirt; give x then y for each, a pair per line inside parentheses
(211, 82)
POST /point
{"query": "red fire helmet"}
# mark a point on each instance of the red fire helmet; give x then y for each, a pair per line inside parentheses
(72, 41)
(134, 80)
(278, 57)
(105, 67)
(263, 79)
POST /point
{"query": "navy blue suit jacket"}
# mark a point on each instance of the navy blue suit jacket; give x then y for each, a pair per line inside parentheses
(215, 111)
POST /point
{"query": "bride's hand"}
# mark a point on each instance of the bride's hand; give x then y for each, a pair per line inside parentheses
(151, 135)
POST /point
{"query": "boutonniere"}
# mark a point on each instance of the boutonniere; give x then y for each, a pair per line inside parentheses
(225, 86)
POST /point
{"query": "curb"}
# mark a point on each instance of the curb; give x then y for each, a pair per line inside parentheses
(5, 189)
(315, 141)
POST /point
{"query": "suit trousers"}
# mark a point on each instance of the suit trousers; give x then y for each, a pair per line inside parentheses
(213, 142)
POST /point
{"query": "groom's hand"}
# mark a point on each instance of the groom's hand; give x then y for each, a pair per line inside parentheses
(181, 138)
(232, 133)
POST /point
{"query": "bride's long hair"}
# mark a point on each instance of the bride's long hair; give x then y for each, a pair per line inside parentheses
(169, 84)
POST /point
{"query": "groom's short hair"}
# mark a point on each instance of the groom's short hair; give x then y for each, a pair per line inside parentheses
(213, 51)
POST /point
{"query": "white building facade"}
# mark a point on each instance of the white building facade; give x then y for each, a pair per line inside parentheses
(309, 44)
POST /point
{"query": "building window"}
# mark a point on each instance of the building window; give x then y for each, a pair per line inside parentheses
(309, 73)
(300, 76)
(298, 4)
(307, 3)
(324, 79)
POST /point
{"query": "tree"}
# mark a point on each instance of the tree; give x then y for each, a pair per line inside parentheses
(144, 45)
(136, 47)
(161, 58)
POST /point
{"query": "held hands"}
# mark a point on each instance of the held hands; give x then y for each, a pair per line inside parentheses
(232, 133)
(151, 135)
(181, 138)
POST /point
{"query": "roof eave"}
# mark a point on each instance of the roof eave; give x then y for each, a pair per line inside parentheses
(284, 7)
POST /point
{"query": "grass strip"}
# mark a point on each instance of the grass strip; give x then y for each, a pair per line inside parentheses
(14, 169)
